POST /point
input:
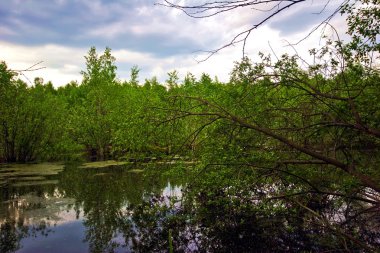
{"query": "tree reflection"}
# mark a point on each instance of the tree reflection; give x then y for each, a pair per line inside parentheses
(104, 195)
(9, 237)
(101, 197)
(128, 211)
(218, 212)
(260, 216)
(13, 230)
(16, 206)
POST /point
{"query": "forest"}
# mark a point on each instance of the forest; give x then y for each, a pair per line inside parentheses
(286, 156)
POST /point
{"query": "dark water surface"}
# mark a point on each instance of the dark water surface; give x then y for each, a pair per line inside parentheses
(74, 208)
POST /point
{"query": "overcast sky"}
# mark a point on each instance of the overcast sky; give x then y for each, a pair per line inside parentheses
(157, 39)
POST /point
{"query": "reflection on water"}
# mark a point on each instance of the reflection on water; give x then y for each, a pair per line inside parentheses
(51, 207)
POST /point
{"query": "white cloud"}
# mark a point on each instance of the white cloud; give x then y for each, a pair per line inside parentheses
(62, 64)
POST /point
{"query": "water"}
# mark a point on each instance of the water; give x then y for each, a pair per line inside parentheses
(114, 207)
(86, 208)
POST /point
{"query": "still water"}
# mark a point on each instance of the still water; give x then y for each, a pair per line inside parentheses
(75, 208)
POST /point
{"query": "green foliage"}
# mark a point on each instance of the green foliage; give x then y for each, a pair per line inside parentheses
(364, 27)
(284, 149)
(134, 75)
(287, 156)
(30, 120)
(101, 70)
(172, 80)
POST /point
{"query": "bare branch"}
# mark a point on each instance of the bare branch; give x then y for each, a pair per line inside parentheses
(214, 8)
(31, 68)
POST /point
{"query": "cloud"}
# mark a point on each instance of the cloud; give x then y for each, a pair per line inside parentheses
(135, 25)
(6, 31)
(62, 64)
(155, 38)
(304, 16)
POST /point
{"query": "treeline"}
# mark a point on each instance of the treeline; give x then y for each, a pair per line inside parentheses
(103, 118)
(100, 118)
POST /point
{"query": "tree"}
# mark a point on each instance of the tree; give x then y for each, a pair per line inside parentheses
(8, 115)
(172, 81)
(30, 118)
(306, 138)
(134, 75)
(101, 70)
(92, 113)
(363, 25)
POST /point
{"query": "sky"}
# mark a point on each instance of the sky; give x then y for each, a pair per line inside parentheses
(157, 39)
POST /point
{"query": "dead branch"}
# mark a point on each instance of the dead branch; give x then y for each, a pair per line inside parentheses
(214, 8)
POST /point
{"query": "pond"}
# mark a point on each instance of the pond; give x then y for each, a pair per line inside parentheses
(120, 207)
(76, 208)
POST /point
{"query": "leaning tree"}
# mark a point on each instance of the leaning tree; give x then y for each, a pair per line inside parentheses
(312, 128)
